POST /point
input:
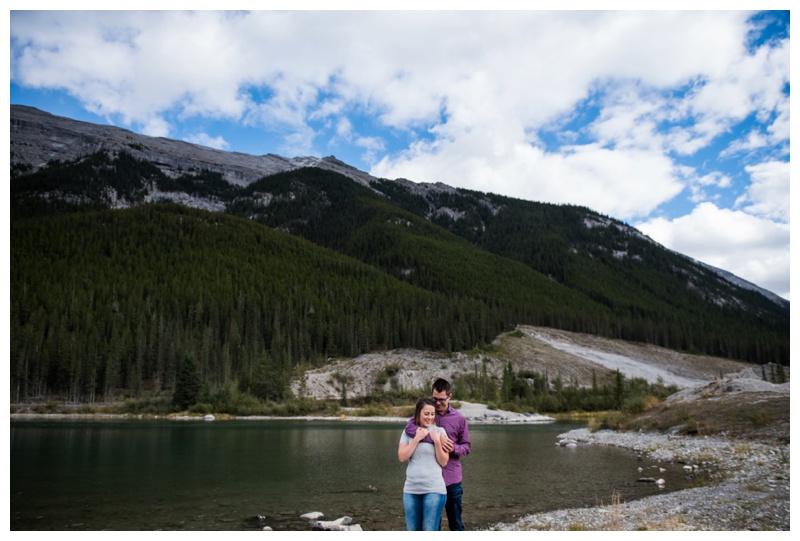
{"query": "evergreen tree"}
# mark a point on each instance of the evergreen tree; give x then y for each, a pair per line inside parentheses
(506, 390)
(187, 384)
(267, 382)
(619, 389)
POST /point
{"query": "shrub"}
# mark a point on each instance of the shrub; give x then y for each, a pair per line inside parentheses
(201, 407)
(375, 410)
(635, 405)
(157, 405)
(613, 420)
(757, 417)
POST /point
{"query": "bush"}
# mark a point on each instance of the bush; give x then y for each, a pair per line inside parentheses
(202, 407)
(158, 405)
(635, 405)
(611, 420)
(376, 410)
(239, 403)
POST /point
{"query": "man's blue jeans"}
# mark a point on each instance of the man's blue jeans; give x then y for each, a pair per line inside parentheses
(423, 511)
(453, 507)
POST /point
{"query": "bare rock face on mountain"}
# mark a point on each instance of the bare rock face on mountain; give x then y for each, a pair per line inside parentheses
(38, 138)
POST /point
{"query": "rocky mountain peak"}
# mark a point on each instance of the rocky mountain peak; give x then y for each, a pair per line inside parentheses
(39, 138)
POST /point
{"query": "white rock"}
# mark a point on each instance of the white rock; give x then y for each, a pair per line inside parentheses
(313, 516)
(345, 528)
(338, 525)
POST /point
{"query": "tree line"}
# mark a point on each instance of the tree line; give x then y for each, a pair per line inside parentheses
(108, 304)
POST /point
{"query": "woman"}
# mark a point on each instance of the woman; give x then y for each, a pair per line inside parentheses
(424, 493)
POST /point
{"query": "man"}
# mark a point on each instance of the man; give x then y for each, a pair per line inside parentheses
(456, 443)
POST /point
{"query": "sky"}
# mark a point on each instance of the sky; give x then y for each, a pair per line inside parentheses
(675, 122)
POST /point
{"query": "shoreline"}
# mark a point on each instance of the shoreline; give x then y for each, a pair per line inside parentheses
(748, 490)
(474, 413)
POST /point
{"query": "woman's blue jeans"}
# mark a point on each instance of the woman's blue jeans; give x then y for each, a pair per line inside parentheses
(423, 511)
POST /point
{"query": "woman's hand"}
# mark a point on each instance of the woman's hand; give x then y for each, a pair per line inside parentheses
(435, 435)
(405, 450)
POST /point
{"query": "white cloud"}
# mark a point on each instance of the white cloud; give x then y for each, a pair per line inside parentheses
(753, 140)
(768, 194)
(587, 175)
(373, 147)
(699, 186)
(485, 98)
(156, 127)
(753, 248)
(204, 139)
(536, 64)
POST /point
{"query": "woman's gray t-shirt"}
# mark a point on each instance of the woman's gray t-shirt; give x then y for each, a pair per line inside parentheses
(424, 474)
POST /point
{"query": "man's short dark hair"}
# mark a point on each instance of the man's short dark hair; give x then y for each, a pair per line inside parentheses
(441, 385)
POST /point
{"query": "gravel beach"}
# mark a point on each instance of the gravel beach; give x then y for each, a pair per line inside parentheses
(748, 488)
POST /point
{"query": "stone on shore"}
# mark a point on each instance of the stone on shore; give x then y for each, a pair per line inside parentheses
(339, 525)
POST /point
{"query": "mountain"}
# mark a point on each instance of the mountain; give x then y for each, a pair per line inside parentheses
(39, 138)
(423, 265)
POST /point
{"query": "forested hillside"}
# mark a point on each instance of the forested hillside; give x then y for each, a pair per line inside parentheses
(661, 294)
(111, 293)
(110, 302)
(620, 283)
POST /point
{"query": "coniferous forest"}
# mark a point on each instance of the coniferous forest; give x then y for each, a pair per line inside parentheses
(307, 265)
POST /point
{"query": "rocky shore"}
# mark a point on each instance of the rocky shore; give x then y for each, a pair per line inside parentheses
(748, 488)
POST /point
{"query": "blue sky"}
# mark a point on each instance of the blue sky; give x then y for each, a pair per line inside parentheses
(676, 122)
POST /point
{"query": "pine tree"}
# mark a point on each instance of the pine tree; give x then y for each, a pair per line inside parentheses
(187, 384)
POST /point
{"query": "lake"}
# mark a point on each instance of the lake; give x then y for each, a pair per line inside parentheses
(167, 475)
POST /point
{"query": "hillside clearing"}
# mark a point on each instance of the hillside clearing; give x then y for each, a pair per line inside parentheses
(572, 357)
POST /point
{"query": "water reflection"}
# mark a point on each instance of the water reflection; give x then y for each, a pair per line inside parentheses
(146, 475)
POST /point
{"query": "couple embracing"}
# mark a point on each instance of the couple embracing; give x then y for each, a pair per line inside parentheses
(433, 443)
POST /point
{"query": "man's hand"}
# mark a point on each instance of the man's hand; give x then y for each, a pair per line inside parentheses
(447, 444)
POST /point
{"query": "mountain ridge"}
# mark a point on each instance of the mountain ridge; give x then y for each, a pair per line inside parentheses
(39, 138)
(578, 269)
(136, 261)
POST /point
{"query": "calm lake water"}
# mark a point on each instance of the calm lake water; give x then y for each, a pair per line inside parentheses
(152, 475)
